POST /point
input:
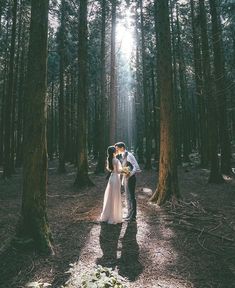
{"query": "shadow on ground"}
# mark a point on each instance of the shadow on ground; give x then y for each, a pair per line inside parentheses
(188, 242)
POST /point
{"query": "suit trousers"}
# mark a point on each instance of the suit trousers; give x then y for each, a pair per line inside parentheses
(129, 186)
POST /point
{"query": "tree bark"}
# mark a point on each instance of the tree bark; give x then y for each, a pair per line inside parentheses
(178, 130)
(82, 179)
(185, 121)
(220, 82)
(21, 91)
(17, 101)
(202, 103)
(102, 139)
(51, 133)
(167, 189)
(61, 168)
(139, 98)
(215, 173)
(4, 91)
(33, 222)
(157, 104)
(7, 167)
(147, 111)
(67, 118)
(113, 91)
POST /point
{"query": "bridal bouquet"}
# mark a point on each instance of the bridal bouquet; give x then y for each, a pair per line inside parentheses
(126, 170)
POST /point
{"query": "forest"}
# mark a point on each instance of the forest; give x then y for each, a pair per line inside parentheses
(77, 76)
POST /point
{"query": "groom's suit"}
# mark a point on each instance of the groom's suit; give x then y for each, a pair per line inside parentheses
(129, 183)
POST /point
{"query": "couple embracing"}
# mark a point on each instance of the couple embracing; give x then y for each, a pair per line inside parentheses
(120, 162)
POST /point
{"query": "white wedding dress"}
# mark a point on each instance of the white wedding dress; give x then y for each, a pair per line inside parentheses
(112, 205)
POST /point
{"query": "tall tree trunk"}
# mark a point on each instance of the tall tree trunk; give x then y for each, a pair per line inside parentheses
(7, 167)
(33, 222)
(113, 89)
(61, 167)
(184, 96)
(102, 139)
(67, 118)
(4, 90)
(167, 189)
(17, 101)
(220, 82)
(19, 129)
(82, 178)
(148, 139)
(233, 86)
(51, 136)
(178, 130)
(157, 105)
(138, 98)
(155, 114)
(202, 113)
(73, 113)
(215, 173)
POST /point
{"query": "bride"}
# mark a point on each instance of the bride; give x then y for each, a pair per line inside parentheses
(112, 205)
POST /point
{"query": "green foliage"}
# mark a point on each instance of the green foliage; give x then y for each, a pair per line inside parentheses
(38, 285)
(100, 277)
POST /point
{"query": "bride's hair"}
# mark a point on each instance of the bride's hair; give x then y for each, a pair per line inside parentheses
(110, 151)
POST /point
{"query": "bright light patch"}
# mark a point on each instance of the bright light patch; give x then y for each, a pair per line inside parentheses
(124, 35)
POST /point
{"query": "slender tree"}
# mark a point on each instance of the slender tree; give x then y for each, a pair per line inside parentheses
(202, 107)
(178, 130)
(215, 173)
(183, 93)
(33, 222)
(113, 91)
(51, 137)
(167, 189)
(157, 105)
(220, 82)
(23, 44)
(61, 167)
(82, 178)
(102, 135)
(7, 167)
(138, 95)
(4, 91)
(148, 139)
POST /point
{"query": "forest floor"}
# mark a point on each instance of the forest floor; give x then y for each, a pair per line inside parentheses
(189, 245)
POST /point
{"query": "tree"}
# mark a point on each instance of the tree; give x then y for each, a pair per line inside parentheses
(138, 94)
(184, 95)
(215, 173)
(178, 130)
(33, 222)
(202, 107)
(113, 92)
(82, 178)
(102, 135)
(168, 179)
(61, 167)
(148, 138)
(20, 79)
(220, 82)
(7, 167)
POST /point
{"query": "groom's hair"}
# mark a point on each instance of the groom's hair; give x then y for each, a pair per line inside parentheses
(120, 145)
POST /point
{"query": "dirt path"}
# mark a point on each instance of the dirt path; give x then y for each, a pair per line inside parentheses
(191, 245)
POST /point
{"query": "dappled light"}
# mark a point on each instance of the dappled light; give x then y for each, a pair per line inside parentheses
(117, 144)
(125, 35)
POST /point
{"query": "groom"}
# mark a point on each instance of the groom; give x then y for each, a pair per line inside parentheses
(129, 181)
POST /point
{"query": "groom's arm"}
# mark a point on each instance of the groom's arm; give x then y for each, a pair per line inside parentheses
(132, 160)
